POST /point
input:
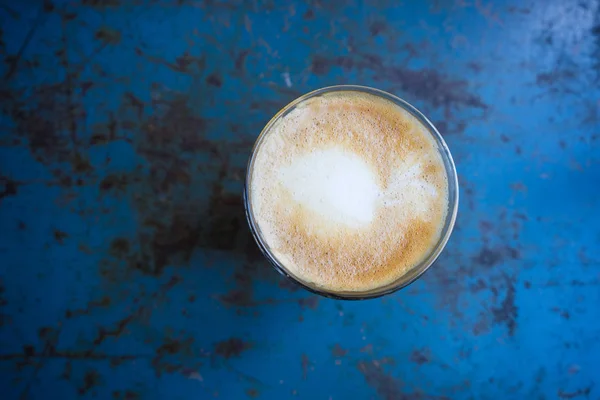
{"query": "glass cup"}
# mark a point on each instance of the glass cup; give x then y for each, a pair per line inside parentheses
(414, 273)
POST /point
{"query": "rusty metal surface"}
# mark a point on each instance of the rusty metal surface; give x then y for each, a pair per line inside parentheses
(126, 267)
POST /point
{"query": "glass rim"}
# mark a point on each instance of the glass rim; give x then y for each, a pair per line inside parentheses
(413, 273)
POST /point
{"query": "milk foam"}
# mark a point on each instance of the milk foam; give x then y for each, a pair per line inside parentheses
(342, 188)
(336, 184)
(349, 191)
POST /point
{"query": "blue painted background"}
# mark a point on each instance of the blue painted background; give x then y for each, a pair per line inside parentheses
(126, 267)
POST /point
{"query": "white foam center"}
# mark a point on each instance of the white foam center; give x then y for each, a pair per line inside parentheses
(334, 183)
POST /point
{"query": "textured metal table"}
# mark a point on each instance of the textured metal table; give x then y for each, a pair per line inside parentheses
(126, 267)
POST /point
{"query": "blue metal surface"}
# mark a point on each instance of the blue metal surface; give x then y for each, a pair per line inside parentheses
(126, 267)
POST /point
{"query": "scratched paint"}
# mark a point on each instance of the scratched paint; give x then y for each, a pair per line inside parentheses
(126, 267)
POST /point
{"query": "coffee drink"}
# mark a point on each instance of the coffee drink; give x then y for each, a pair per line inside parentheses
(348, 191)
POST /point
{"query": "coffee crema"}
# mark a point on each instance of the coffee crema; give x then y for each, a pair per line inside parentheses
(348, 191)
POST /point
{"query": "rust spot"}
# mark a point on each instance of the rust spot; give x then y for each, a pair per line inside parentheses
(135, 102)
(66, 374)
(518, 150)
(105, 132)
(427, 84)
(507, 311)
(99, 138)
(115, 331)
(3, 300)
(115, 181)
(232, 347)
(482, 325)
(165, 359)
(174, 225)
(517, 10)
(513, 253)
(319, 65)
(518, 187)
(377, 27)
(571, 395)
(48, 6)
(38, 116)
(252, 393)
(29, 351)
(126, 395)
(108, 36)
(60, 236)
(563, 313)
(488, 257)
(63, 180)
(527, 285)
(103, 302)
(522, 217)
(308, 15)
(504, 138)
(309, 302)
(475, 66)
(102, 3)
(214, 79)
(226, 221)
(243, 293)
(84, 248)
(420, 356)
(387, 386)
(240, 60)
(85, 86)
(119, 247)
(478, 286)
(80, 164)
(239, 297)
(305, 364)
(10, 188)
(387, 361)
(184, 62)
(170, 244)
(485, 227)
(338, 351)
(91, 379)
(367, 349)
(557, 75)
(47, 333)
(434, 87)
(175, 129)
